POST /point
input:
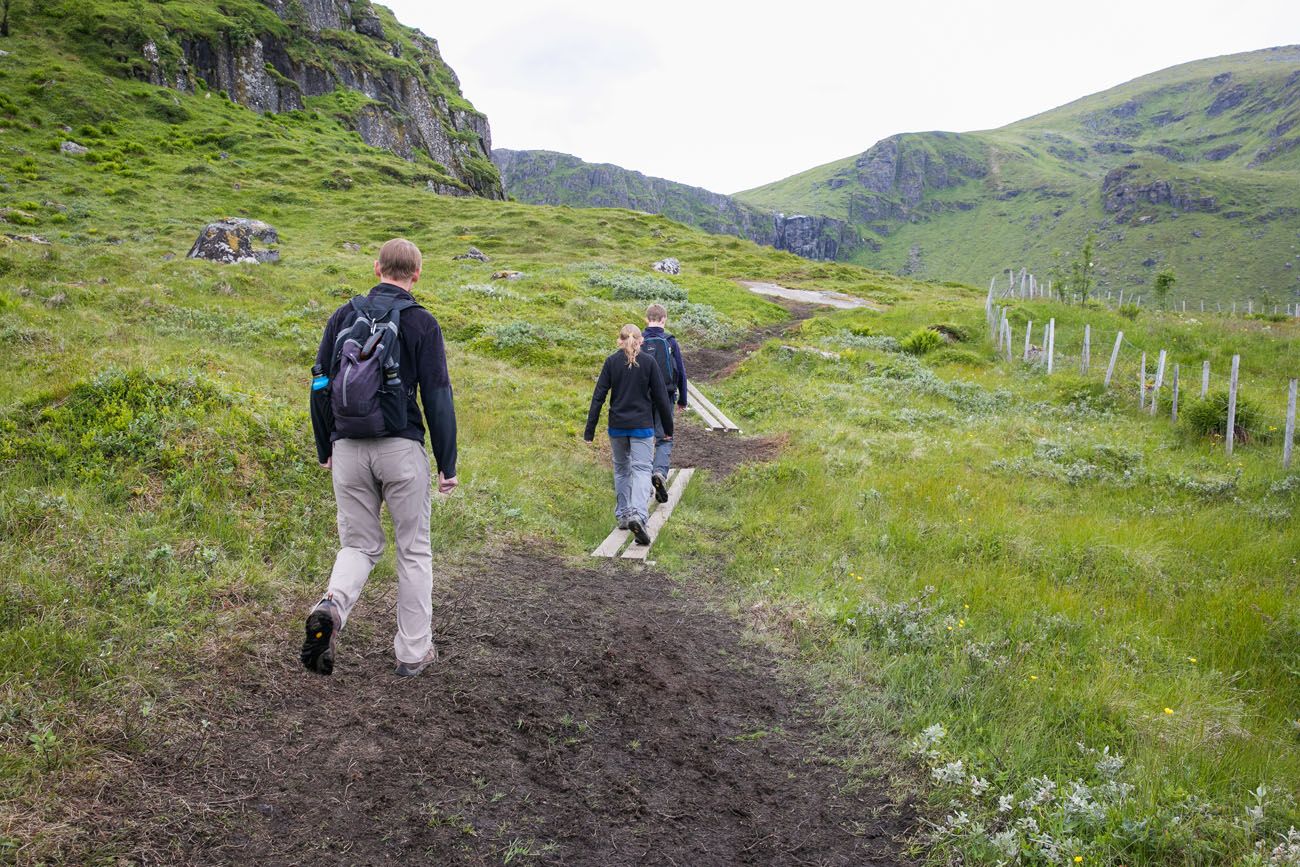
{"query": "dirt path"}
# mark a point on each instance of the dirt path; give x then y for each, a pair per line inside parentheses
(710, 365)
(581, 716)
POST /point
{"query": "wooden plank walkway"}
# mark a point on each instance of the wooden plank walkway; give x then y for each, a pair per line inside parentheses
(616, 541)
(660, 515)
(706, 409)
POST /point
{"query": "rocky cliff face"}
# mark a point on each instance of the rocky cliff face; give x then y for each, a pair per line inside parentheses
(412, 99)
(549, 178)
(1123, 190)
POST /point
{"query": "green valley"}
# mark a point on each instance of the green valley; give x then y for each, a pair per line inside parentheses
(1019, 616)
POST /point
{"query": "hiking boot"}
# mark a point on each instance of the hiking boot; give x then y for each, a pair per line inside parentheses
(661, 488)
(323, 626)
(622, 524)
(638, 532)
(412, 669)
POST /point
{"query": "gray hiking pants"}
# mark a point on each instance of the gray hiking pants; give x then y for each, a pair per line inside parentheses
(632, 459)
(367, 474)
(663, 447)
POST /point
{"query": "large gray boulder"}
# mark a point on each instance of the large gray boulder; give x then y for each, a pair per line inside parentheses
(231, 240)
(668, 266)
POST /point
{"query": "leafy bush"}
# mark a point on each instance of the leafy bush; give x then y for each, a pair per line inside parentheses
(699, 321)
(1208, 416)
(1129, 311)
(921, 341)
(630, 286)
(949, 331)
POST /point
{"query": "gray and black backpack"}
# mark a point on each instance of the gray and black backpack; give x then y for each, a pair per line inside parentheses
(367, 396)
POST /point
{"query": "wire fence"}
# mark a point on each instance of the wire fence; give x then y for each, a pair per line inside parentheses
(1025, 285)
(1157, 378)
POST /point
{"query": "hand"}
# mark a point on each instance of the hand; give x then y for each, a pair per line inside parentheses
(681, 408)
(446, 485)
(588, 439)
(668, 438)
(329, 463)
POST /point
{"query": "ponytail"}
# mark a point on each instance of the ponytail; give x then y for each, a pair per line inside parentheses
(629, 340)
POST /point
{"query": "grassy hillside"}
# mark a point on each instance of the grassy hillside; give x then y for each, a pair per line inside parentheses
(1209, 184)
(1088, 609)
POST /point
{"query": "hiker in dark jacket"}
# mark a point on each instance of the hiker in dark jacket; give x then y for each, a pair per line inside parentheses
(636, 393)
(663, 346)
(376, 454)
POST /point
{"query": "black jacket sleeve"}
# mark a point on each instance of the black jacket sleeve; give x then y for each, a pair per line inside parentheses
(322, 419)
(659, 398)
(680, 364)
(436, 397)
(597, 401)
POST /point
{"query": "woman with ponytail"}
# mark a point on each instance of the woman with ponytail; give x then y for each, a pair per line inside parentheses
(635, 387)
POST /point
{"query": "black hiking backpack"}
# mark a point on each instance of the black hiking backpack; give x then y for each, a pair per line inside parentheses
(661, 349)
(367, 397)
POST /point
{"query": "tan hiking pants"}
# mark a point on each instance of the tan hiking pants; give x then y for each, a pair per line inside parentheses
(395, 471)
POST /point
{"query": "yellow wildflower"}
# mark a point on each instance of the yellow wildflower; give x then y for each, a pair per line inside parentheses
(1169, 710)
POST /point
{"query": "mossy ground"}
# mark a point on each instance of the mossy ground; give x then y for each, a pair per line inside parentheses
(1091, 566)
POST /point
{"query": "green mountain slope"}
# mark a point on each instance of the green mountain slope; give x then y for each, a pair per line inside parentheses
(550, 178)
(979, 565)
(1196, 167)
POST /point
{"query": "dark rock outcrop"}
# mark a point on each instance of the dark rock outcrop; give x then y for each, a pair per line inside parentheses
(549, 178)
(415, 104)
(1122, 191)
(230, 241)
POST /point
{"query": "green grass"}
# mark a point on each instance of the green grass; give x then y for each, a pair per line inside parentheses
(157, 479)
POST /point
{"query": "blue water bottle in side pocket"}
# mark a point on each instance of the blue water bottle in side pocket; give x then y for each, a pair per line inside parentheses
(318, 378)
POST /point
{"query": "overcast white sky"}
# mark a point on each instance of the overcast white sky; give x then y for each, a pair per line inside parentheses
(729, 95)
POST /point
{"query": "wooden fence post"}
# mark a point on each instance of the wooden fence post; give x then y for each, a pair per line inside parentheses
(1051, 344)
(1114, 354)
(1202, 305)
(1008, 344)
(1173, 415)
(1290, 427)
(1142, 383)
(1205, 377)
(1029, 329)
(1160, 380)
(1086, 357)
(1232, 404)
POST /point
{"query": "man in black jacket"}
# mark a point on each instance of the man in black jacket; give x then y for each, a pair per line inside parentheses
(393, 469)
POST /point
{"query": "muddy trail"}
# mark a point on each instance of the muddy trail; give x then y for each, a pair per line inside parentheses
(581, 715)
(710, 365)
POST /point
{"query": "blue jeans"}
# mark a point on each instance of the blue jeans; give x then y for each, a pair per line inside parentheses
(632, 458)
(663, 448)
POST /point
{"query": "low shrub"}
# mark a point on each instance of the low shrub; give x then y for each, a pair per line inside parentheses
(921, 341)
(1129, 311)
(950, 332)
(1208, 416)
(630, 286)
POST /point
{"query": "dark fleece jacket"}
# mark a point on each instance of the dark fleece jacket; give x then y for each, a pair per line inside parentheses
(635, 393)
(423, 363)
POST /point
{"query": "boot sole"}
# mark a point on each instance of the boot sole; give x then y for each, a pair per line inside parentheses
(639, 533)
(318, 646)
(661, 490)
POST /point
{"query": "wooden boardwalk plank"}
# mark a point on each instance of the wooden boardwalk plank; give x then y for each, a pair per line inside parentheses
(694, 394)
(661, 515)
(615, 541)
(709, 421)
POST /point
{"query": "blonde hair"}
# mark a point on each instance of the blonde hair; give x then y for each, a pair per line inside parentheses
(629, 340)
(399, 259)
(656, 313)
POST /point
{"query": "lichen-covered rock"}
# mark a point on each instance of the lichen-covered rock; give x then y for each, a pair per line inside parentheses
(668, 266)
(507, 275)
(472, 253)
(230, 241)
(71, 147)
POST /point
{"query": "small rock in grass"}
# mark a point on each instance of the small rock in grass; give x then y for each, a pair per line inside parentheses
(472, 253)
(57, 300)
(71, 147)
(352, 246)
(231, 240)
(668, 266)
(507, 275)
(167, 257)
